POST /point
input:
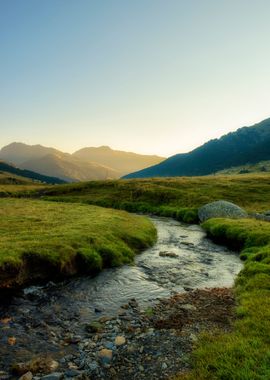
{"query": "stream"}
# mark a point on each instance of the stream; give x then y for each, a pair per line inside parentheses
(182, 259)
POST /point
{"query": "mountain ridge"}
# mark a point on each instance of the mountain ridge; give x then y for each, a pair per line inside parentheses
(245, 145)
(89, 163)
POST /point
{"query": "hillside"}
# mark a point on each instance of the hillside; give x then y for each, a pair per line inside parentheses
(247, 145)
(13, 179)
(10, 171)
(69, 168)
(18, 153)
(123, 162)
(259, 167)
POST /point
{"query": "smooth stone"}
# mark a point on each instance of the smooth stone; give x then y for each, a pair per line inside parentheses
(72, 372)
(120, 340)
(105, 355)
(188, 307)
(53, 376)
(109, 346)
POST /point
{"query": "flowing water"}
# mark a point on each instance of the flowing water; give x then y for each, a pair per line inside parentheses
(182, 259)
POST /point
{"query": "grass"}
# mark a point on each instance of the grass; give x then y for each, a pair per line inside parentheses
(11, 184)
(244, 353)
(175, 197)
(44, 239)
(262, 166)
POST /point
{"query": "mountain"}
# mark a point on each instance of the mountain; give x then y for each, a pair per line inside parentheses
(12, 170)
(247, 145)
(86, 164)
(122, 162)
(70, 169)
(18, 153)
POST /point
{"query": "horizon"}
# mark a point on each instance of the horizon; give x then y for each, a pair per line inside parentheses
(144, 77)
(123, 150)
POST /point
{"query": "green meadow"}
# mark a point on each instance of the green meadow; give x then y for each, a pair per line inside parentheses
(175, 197)
(39, 240)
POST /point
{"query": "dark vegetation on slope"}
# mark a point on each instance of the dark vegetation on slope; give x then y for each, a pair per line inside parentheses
(29, 174)
(246, 145)
(242, 354)
(44, 240)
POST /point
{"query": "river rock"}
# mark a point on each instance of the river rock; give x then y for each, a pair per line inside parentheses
(120, 340)
(167, 254)
(53, 376)
(220, 209)
(105, 355)
(27, 376)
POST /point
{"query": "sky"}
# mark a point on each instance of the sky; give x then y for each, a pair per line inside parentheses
(149, 76)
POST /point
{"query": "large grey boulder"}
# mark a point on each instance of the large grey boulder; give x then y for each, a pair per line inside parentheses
(220, 209)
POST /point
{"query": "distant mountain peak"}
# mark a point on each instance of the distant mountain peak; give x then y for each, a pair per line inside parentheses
(86, 164)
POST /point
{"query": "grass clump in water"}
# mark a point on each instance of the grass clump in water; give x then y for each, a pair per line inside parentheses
(40, 240)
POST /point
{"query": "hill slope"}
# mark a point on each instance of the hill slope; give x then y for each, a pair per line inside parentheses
(246, 145)
(10, 169)
(18, 153)
(85, 164)
(69, 168)
(123, 162)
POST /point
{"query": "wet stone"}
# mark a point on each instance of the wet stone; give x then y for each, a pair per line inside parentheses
(53, 376)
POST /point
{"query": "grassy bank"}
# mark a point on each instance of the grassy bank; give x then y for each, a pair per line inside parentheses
(42, 240)
(176, 197)
(243, 354)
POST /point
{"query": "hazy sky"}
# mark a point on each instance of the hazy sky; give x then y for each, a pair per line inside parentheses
(151, 76)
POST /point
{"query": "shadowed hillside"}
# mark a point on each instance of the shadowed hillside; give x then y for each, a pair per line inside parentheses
(246, 145)
(30, 175)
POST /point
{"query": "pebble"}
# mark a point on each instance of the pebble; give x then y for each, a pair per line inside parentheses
(53, 376)
(105, 355)
(72, 373)
(120, 340)
(27, 376)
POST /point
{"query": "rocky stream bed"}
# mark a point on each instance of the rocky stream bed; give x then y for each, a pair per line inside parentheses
(138, 321)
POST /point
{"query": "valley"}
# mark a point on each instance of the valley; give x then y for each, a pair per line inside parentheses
(68, 230)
